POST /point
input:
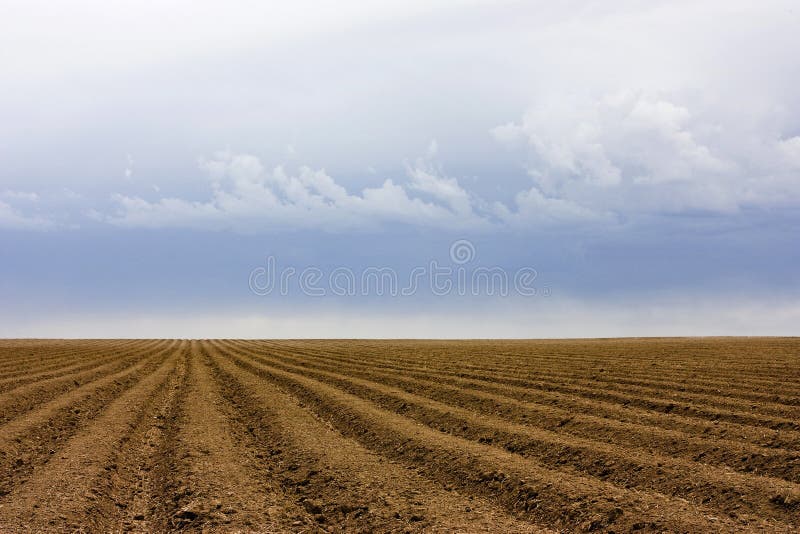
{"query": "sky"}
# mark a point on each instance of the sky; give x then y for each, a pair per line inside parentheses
(458, 168)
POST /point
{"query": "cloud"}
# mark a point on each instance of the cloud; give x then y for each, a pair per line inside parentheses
(13, 219)
(446, 190)
(534, 209)
(620, 112)
(617, 139)
(633, 152)
(249, 198)
(47, 209)
(129, 166)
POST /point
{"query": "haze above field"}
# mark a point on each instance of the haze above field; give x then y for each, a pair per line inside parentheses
(643, 160)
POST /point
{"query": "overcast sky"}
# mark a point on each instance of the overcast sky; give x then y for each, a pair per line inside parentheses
(643, 160)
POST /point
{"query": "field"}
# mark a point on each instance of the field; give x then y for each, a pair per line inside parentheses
(687, 435)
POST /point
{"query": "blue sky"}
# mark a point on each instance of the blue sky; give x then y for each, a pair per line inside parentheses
(643, 159)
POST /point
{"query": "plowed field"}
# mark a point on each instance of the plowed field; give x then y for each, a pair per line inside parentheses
(681, 435)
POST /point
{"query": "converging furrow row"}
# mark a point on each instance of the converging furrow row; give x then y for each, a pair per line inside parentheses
(319, 436)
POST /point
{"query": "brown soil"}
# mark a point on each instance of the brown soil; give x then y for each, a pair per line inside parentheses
(631, 435)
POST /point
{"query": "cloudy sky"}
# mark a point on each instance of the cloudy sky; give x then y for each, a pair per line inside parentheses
(161, 161)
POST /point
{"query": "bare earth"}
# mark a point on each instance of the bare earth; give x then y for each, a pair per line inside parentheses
(679, 435)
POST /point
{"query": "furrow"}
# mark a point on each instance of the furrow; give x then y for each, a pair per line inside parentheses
(679, 359)
(340, 484)
(76, 362)
(28, 443)
(134, 494)
(523, 486)
(47, 361)
(22, 399)
(48, 350)
(603, 358)
(215, 482)
(625, 467)
(60, 493)
(714, 407)
(473, 390)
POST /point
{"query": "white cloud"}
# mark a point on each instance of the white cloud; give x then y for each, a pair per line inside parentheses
(249, 198)
(13, 219)
(129, 166)
(633, 109)
(536, 210)
(444, 189)
(632, 153)
(618, 138)
(246, 197)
